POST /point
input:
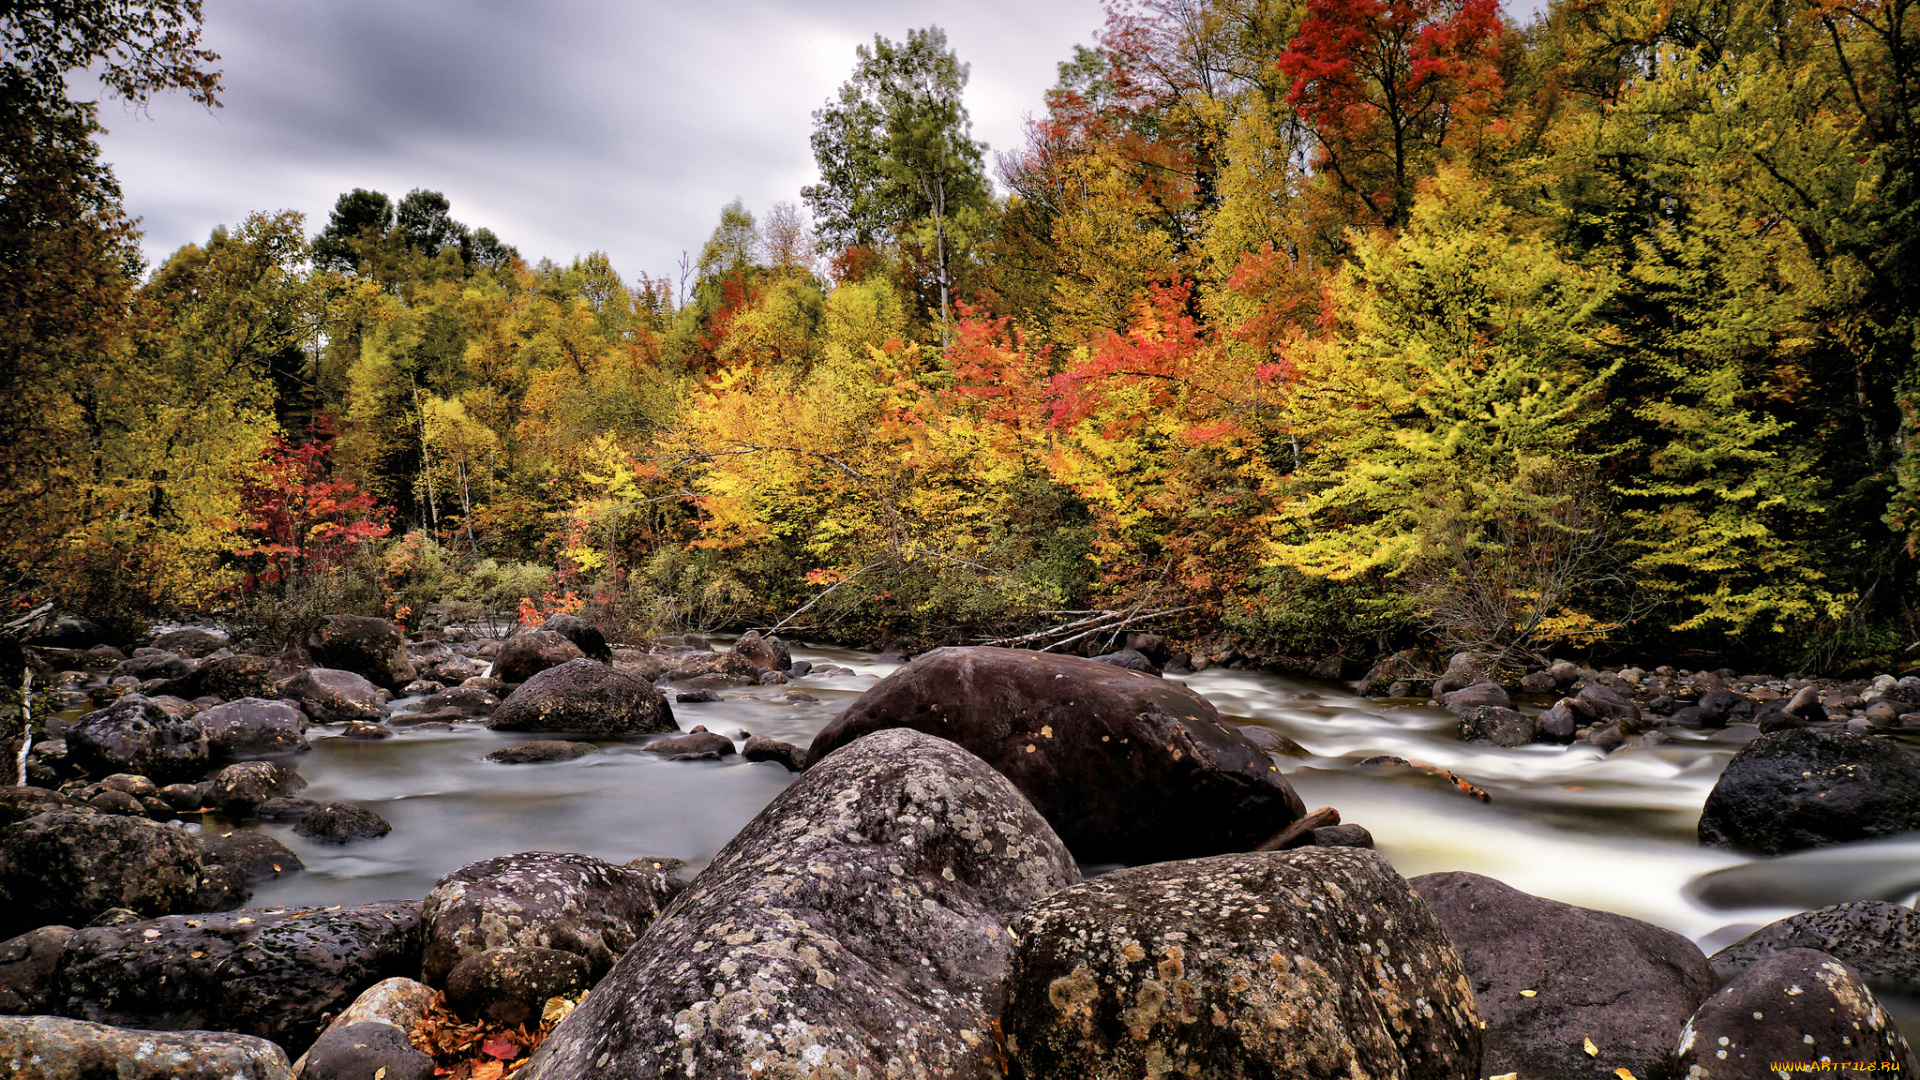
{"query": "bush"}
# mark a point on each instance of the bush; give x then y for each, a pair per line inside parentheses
(290, 615)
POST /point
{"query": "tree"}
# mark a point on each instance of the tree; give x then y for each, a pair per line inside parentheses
(896, 156)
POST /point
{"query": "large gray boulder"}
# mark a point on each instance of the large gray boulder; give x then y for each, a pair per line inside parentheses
(585, 636)
(1126, 767)
(1796, 789)
(1879, 940)
(277, 973)
(586, 697)
(523, 656)
(1794, 1006)
(374, 648)
(253, 728)
(856, 927)
(335, 696)
(1550, 976)
(1314, 963)
(543, 899)
(55, 1048)
(66, 867)
(229, 678)
(136, 735)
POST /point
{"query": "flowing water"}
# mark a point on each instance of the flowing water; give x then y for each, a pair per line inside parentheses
(1614, 832)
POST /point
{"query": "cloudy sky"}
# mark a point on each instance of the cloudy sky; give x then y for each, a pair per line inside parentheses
(566, 126)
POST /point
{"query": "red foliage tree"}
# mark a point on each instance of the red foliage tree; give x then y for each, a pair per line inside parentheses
(1385, 84)
(305, 521)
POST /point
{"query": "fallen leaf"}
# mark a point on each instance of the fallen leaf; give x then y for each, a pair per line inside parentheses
(380, 1073)
(1528, 993)
(149, 934)
(1592, 1050)
(1505, 1076)
(488, 1070)
(555, 1010)
(242, 920)
(1624, 1074)
(504, 1049)
(196, 955)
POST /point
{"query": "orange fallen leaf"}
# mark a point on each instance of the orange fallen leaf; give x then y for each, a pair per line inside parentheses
(488, 1070)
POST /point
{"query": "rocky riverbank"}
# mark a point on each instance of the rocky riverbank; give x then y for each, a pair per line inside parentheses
(912, 904)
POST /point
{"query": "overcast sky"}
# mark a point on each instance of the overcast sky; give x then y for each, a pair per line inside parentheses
(566, 126)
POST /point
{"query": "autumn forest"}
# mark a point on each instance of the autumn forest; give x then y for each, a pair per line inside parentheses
(1322, 326)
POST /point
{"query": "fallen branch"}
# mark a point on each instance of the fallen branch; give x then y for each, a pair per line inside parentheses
(823, 595)
(1300, 833)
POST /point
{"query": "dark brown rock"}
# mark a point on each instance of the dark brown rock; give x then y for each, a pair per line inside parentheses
(1797, 789)
(341, 823)
(240, 788)
(65, 867)
(1496, 724)
(372, 648)
(542, 750)
(585, 636)
(136, 735)
(1125, 766)
(1794, 1006)
(335, 696)
(586, 697)
(523, 656)
(696, 742)
(761, 748)
(509, 985)
(253, 728)
(229, 679)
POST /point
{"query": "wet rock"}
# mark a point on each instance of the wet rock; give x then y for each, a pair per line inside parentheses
(1133, 661)
(719, 669)
(1318, 962)
(118, 802)
(509, 985)
(27, 966)
(1799, 1005)
(1798, 789)
(1879, 940)
(1693, 716)
(271, 972)
(136, 735)
(1126, 767)
(761, 748)
(21, 803)
(65, 867)
(1496, 724)
(422, 688)
(1725, 705)
(449, 670)
(253, 728)
(153, 665)
(364, 729)
(192, 641)
(587, 697)
(1602, 704)
(239, 788)
(523, 656)
(585, 636)
(335, 696)
(461, 701)
(1407, 665)
(247, 857)
(341, 823)
(374, 649)
(53, 1048)
(1557, 724)
(773, 678)
(542, 750)
(541, 899)
(696, 697)
(363, 1051)
(857, 926)
(397, 1004)
(285, 809)
(1476, 696)
(698, 741)
(1345, 834)
(764, 653)
(229, 679)
(1538, 682)
(1549, 975)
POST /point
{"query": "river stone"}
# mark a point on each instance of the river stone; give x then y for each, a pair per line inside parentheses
(229, 678)
(523, 656)
(240, 788)
(1403, 666)
(153, 665)
(762, 748)
(27, 966)
(21, 803)
(1495, 724)
(1317, 962)
(856, 927)
(250, 856)
(1798, 789)
(253, 728)
(397, 1003)
(544, 899)
(65, 866)
(584, 696)
(699, 741)
(341, 823)
(192, 641)
(1602, 704)
(1626, 984)
(1125, 767)
(137, 735)
(363, 1051)
(508, 986)
(542, 750)
(335, 696)
(1478, 695)
(585, 636)
(272, 972)
(373, 648)
(53, 1048)
(1798, 1005)
(1879, 940)
(462, 700)
(764, 653)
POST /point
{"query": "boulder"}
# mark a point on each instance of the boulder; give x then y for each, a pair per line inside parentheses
(398, 1004)
(584, 635)
(1125, 767)
(1557, 724)
(240, 788)
(587, 697)
(764, 653)
(542, 750)
(21, 803)
(54, 1048)
(1407, 665)
(233, 862)
(341, 823)
(229, 678)
(720, 668)
(1795, 1006)
(1476, 696)
(373, 648)
(153, 665)
(276, 973)
(856, 927)
(461, 700)
(362, 1051)
(762, 748)
(1318, 962)
(27, 966)
(192, 641)
(508, 985)
(1549, 976)
(253, 728)
(1603, 704)
(523, 656)
(539, 899)
(1879, 940)
(698, 741)
(335, 696)
(1133, 661)
(66, 866)
(1495, 724)
(137, 735)
(1801, 788)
